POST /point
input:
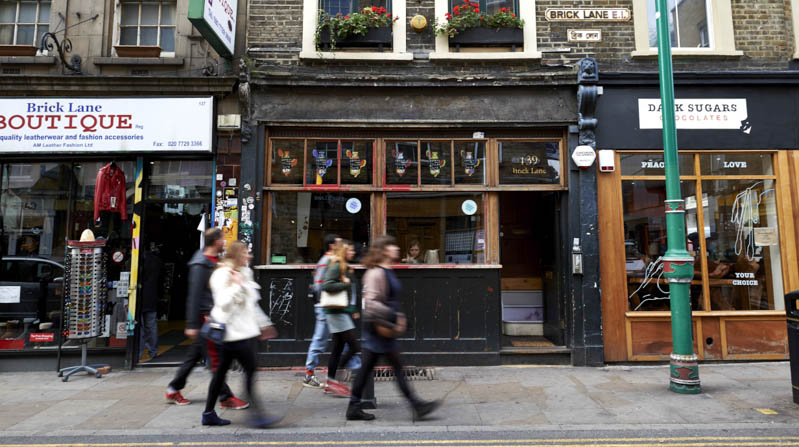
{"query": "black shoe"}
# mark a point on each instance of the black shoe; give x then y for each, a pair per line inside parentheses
(355, 413)
(210, 418)
(422, 408)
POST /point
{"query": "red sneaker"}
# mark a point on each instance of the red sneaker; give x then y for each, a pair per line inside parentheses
(234, 403)
(337, 388)
(176, 398)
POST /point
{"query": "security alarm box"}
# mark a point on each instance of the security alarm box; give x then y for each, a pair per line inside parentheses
(607, 161)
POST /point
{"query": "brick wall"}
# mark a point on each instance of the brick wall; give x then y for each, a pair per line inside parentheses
(763, 31)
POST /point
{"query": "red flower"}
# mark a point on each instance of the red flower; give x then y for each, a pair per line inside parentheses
(482, 18)
(346, 17)
(381, 10)
(476, 9)
(457, 13)
(374, 8)
(502, 9)
(475, 5)
(465, 1)
(448, 16)
(513, 15)
(388, 15)
(456, 8)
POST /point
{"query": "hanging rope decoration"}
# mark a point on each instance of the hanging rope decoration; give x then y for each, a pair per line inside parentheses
(745, 214)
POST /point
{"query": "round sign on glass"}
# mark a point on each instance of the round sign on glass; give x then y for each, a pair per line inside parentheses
(469, 207)
(353, 205)
(118, 257)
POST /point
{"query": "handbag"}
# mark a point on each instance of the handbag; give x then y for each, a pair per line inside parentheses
(213, 332)
(338, 300)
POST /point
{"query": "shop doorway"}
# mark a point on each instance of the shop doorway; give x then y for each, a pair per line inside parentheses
(529, 253)
(178, 196)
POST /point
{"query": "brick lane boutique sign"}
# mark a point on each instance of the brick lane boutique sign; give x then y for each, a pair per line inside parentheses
(587, 15)
(67, 125)
(696, 114)
(216, 21)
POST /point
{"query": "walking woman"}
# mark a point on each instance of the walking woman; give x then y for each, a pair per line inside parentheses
(383, 322)
(236, 305)
(338, 278)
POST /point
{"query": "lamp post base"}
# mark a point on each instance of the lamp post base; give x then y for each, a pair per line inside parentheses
(684, 374)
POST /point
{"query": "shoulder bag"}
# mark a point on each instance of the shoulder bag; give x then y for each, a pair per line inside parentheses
(338, 300)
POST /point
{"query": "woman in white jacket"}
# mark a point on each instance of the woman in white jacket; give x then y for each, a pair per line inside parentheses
(236, 305)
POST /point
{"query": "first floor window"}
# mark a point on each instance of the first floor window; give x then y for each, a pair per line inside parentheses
(344, 7)
(688, 23)
(437, 228)
(491, 6)
(145, 23)
(23, 22)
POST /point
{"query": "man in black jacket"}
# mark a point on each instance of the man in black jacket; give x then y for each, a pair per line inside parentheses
(198, 305)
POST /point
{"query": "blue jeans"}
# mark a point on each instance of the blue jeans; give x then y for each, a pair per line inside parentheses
(149, 333)
(319, 343)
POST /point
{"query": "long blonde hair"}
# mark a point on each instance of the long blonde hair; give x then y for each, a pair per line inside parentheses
(340, 255)
(232, 254)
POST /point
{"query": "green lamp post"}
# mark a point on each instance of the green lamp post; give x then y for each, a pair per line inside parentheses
(678, 264)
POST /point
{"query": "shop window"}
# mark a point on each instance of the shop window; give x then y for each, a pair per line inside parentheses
(442, 228)
(436, 161)
(470, 159)
(696, 27)
(148, 23)
(492, 6)
(287, 161)
(322, 163)
(731, 228)
(356, 162)
(402, 167)
(178, 179)
(653, 164)
(300, 221)
(525, 162)
(24, 22)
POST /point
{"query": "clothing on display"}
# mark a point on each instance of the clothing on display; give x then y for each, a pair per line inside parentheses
(110, 191)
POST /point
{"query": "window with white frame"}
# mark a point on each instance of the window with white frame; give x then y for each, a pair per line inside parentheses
(311, 9)
(145, 23)
(23, 22)
(696, 27)
(525, 9)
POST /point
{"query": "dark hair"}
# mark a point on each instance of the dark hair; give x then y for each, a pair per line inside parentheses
(211, 236)
(330, 239)
(376, 255)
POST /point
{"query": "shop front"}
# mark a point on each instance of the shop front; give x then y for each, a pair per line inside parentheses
(737, 165)
(478, 207)
(138, 173)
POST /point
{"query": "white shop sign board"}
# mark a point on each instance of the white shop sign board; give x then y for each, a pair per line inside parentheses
(695, 113)
(84, 125)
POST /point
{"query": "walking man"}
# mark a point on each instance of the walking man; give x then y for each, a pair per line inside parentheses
(321, 332)
(198, 305)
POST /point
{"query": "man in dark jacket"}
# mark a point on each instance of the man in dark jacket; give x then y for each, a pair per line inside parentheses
(198, 305)
(152, 282)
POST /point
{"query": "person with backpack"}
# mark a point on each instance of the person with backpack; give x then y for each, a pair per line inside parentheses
(382, 324)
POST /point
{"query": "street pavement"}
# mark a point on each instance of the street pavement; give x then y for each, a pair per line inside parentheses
(740, 404)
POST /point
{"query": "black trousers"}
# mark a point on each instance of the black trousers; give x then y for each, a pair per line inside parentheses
(244, 352)
(339, 340)
(198, 350)
(369, 361)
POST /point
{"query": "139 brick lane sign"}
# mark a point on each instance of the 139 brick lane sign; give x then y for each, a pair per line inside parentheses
(64, 125)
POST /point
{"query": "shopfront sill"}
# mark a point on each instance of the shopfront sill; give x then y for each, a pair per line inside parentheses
(356, 56)
(771, 314)
(395, 266)
(27, 60)
(176, 61)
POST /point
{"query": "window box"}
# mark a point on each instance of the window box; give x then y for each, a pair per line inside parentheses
(375, 37)
(138, 50)
(18, 50)
(488, 37)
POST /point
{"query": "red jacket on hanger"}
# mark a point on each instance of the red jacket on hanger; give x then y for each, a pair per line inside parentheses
(109, 191)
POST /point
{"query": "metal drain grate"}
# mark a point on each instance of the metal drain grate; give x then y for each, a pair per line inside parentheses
(386, 374)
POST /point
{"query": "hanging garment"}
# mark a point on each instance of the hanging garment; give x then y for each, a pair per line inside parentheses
(109, 191)
(201, 228)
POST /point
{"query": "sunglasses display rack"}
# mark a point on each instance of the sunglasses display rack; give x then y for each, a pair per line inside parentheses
(85, 297)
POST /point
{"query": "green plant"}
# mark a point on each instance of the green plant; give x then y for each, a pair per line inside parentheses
(355, 24)
(468, 15)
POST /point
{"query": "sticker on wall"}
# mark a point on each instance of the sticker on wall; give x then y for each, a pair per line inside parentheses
(356, 163)
(400, 163)
(322, 163)
(353, 206)
(469, 207)
(286, 162)
(435, 162)
(118, 257)
(470, 164)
